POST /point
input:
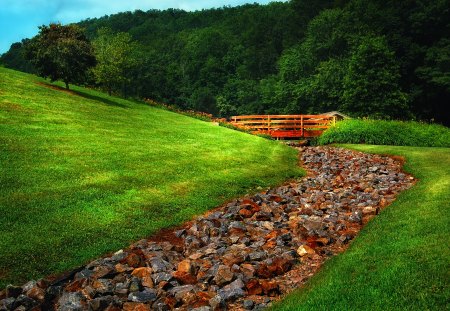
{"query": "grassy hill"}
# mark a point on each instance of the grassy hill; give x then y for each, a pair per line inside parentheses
(83, 173)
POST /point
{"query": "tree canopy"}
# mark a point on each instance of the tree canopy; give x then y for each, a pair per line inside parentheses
(61, 53)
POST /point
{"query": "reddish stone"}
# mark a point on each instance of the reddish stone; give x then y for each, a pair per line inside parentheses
(184, 278)
(280, 266)
(100, 272)
(263, 271)
(76, 285)
(248, 270)
(185, 266)
(271, 235)
(135, 306)
(122, 268)
(270, 288)
(254, 287)
(275, 198)
(246, 213)
(36, 293)
(112, 308)
(132, 260)
(171, 302)
(230, 259)
(270, 244)
(142, 272)
(304, 250)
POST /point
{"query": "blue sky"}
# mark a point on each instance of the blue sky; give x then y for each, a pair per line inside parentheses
(20, 18)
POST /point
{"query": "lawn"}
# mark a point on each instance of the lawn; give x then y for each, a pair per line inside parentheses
(400, 260)
(83, 174)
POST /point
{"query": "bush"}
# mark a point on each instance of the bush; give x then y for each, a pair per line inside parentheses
(382, 132)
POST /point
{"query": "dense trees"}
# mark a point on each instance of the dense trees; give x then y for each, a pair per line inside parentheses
(61, 53)
(365, 57)
(115, 58)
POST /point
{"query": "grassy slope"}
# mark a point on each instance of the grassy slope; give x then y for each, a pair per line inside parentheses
(400, 260)
(83, 173)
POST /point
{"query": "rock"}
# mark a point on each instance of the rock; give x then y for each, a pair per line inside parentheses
(248, 304)
(132, 260)
(162, 276)
(183, 293)
(71, 302)
(204, 308)
(270, 288)
(223, 275)
(217, 302)
(304, 250)
(36, 293)
(232, 291)
(146, 296)
(248, 270)
(159, 265)
(13, 291)
(100, 303)
(254, 287)
(135, 306)
(7, 303)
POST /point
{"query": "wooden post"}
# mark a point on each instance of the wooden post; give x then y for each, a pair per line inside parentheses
(268, 124)
(334, 120)
(301, 125)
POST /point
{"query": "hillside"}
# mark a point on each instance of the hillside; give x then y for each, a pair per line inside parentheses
(83, 173)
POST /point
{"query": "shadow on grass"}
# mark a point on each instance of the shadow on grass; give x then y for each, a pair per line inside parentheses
(106, 101)
(100, 99)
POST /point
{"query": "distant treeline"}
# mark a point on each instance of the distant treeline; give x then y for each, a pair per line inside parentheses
(381, 59)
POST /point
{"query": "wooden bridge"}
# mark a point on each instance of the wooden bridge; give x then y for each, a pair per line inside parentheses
(285, 126)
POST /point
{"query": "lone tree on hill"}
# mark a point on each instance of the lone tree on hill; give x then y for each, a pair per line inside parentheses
(61, 53)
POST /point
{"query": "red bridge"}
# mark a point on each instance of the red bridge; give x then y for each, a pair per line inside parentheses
(285, 126)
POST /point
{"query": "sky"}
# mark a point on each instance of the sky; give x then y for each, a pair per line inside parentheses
(20, 19)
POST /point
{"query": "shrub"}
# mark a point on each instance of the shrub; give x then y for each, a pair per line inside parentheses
(382, 132)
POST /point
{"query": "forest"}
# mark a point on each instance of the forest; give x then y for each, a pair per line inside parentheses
(367, 58)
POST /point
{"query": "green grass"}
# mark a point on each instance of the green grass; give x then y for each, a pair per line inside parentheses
(382, 132)
(401, 259)
(83, 174)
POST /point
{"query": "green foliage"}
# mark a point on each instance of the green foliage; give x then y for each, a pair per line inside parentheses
(61, 53)
(115, 58)
(399, 261)
(385, 59)
(84, 173)
(381, 132)
(371, 87)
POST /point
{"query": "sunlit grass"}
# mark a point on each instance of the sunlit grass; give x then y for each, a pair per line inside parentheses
(83, 174)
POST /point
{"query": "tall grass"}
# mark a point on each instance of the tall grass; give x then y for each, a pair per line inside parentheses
(381, 132)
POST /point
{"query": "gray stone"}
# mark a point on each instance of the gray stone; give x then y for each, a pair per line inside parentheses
(248, 304)
(7, 303)
(70, 302)
(159, 265)
(162, 276)
(146, 296)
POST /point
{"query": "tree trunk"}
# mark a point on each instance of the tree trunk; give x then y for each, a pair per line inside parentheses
(67, 84)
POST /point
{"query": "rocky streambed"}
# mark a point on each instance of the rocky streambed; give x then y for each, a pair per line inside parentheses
(241, 256)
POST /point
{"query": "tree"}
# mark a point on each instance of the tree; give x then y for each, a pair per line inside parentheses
(61, 53)
(371, 84)
(114, 53)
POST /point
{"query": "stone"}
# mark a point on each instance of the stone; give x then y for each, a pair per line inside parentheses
(304, 250)
(36, 293)
(203, 308)
(162, 276)
(217, 302)
(248, 304)
(70, 302)
(135, 306)
(132, 260)
(100, 303)
(270, 288)
(254, 287)
(223, 275)
(142, 272)
(7, 303)
(13, 291)
(146, 296)
(159, 265)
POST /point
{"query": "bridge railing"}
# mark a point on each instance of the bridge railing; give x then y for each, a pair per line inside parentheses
(285, 126)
